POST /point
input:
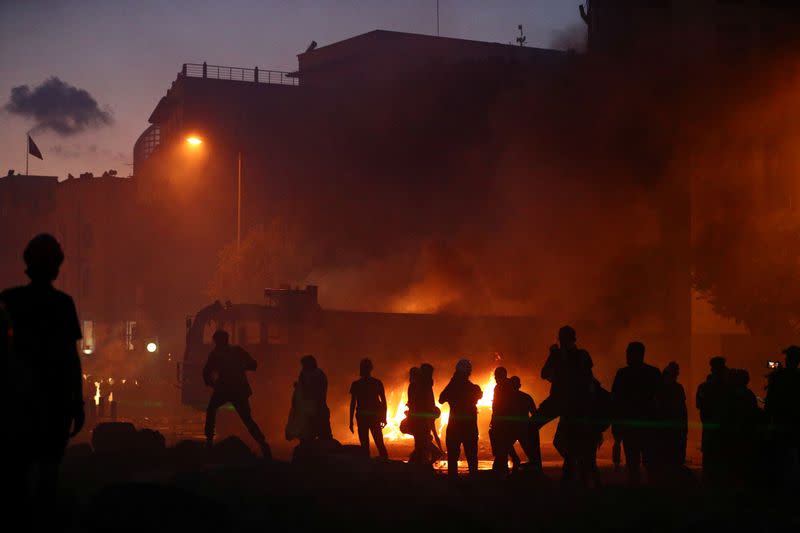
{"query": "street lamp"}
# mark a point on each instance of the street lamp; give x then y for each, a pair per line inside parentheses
(194, 141)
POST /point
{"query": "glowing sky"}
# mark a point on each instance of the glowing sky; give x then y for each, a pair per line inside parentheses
(125, 54)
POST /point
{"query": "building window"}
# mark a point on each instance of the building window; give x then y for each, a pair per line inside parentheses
(130, 334)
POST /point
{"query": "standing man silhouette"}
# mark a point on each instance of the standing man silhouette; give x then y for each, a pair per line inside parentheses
(633, 397)
(713, 400)
(500, 426)
(783, 410)
(225, 373)
(462, 427)
(572, 390)
(48, 382)
(673, 418)
(368, 403)
(311, 397)
(524, 429)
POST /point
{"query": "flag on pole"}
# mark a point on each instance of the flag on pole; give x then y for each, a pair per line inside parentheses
(33, 149)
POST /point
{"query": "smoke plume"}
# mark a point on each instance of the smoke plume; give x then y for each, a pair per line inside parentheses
(58, 106)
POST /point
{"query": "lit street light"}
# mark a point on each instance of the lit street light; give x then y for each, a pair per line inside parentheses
(194, 140)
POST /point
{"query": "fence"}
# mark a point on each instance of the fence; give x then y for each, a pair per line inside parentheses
(254, 75)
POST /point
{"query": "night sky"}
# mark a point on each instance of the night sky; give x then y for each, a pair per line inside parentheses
(126, 54)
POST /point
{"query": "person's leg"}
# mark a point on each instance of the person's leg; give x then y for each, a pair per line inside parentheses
(363, 435)
(211, 417)
(633, 457)
(415, 455)
(512, 453)
(532, 447)
(377, 436)
(242, 406)
(325, 432)
(499, 449)
(453, 444)
(471, 449)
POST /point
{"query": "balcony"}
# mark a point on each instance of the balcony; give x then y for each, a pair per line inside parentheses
(252, 75)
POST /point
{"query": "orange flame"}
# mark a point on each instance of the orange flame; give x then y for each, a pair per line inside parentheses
(396, 403)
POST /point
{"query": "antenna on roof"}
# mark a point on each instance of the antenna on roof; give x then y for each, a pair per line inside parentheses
(311, 47)
(521, 39)
(437, 18)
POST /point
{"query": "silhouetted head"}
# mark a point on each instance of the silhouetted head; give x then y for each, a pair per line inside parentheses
(516, 382)
(464, 367)
(635, 354)
(567, 338)
(426, 371)
(43, 258)
(792, 356)
(365, 368)
(221, 337)
(744, 377)
(671, 372)
(308, 362)
(413, 374)
(500, 374)
(718, 365)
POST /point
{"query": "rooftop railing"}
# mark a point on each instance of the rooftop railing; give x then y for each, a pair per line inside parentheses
(254, 75)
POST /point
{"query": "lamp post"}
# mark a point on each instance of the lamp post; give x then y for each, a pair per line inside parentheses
(195, 141)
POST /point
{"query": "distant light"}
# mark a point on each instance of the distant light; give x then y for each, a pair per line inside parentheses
(88, 351)
(151, 347)
(194, 141)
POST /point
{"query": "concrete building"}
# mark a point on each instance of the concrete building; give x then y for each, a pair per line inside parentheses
(27, 205)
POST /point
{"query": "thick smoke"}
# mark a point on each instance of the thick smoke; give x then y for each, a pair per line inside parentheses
(58, 106)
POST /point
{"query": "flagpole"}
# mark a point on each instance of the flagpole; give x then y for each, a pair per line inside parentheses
(27, 152)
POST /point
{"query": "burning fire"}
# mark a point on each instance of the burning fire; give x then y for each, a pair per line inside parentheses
(396, 407)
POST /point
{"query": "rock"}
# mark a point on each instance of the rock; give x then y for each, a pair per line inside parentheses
(231, 451)
(114, 438)
(154, 507)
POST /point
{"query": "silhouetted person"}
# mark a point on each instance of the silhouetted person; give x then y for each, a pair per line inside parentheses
(744, 418)
(521, 409)
(312, 391)
(501, 431)
(429, 403)
(713, 400)
(46, 404)
(368, 403)
(782, 407)
(422, 414)
(633, 395)
(415, 418)
(225, 373)
(569, 370)
(672, 423)
(462, 427)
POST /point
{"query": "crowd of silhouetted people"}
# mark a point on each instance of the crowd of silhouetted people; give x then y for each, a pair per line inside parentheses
(646, 408)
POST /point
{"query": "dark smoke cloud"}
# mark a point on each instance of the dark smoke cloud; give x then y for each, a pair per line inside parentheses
(58, 106)
(572, 37)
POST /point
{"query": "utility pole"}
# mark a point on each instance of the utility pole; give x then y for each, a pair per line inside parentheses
(239, 204)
